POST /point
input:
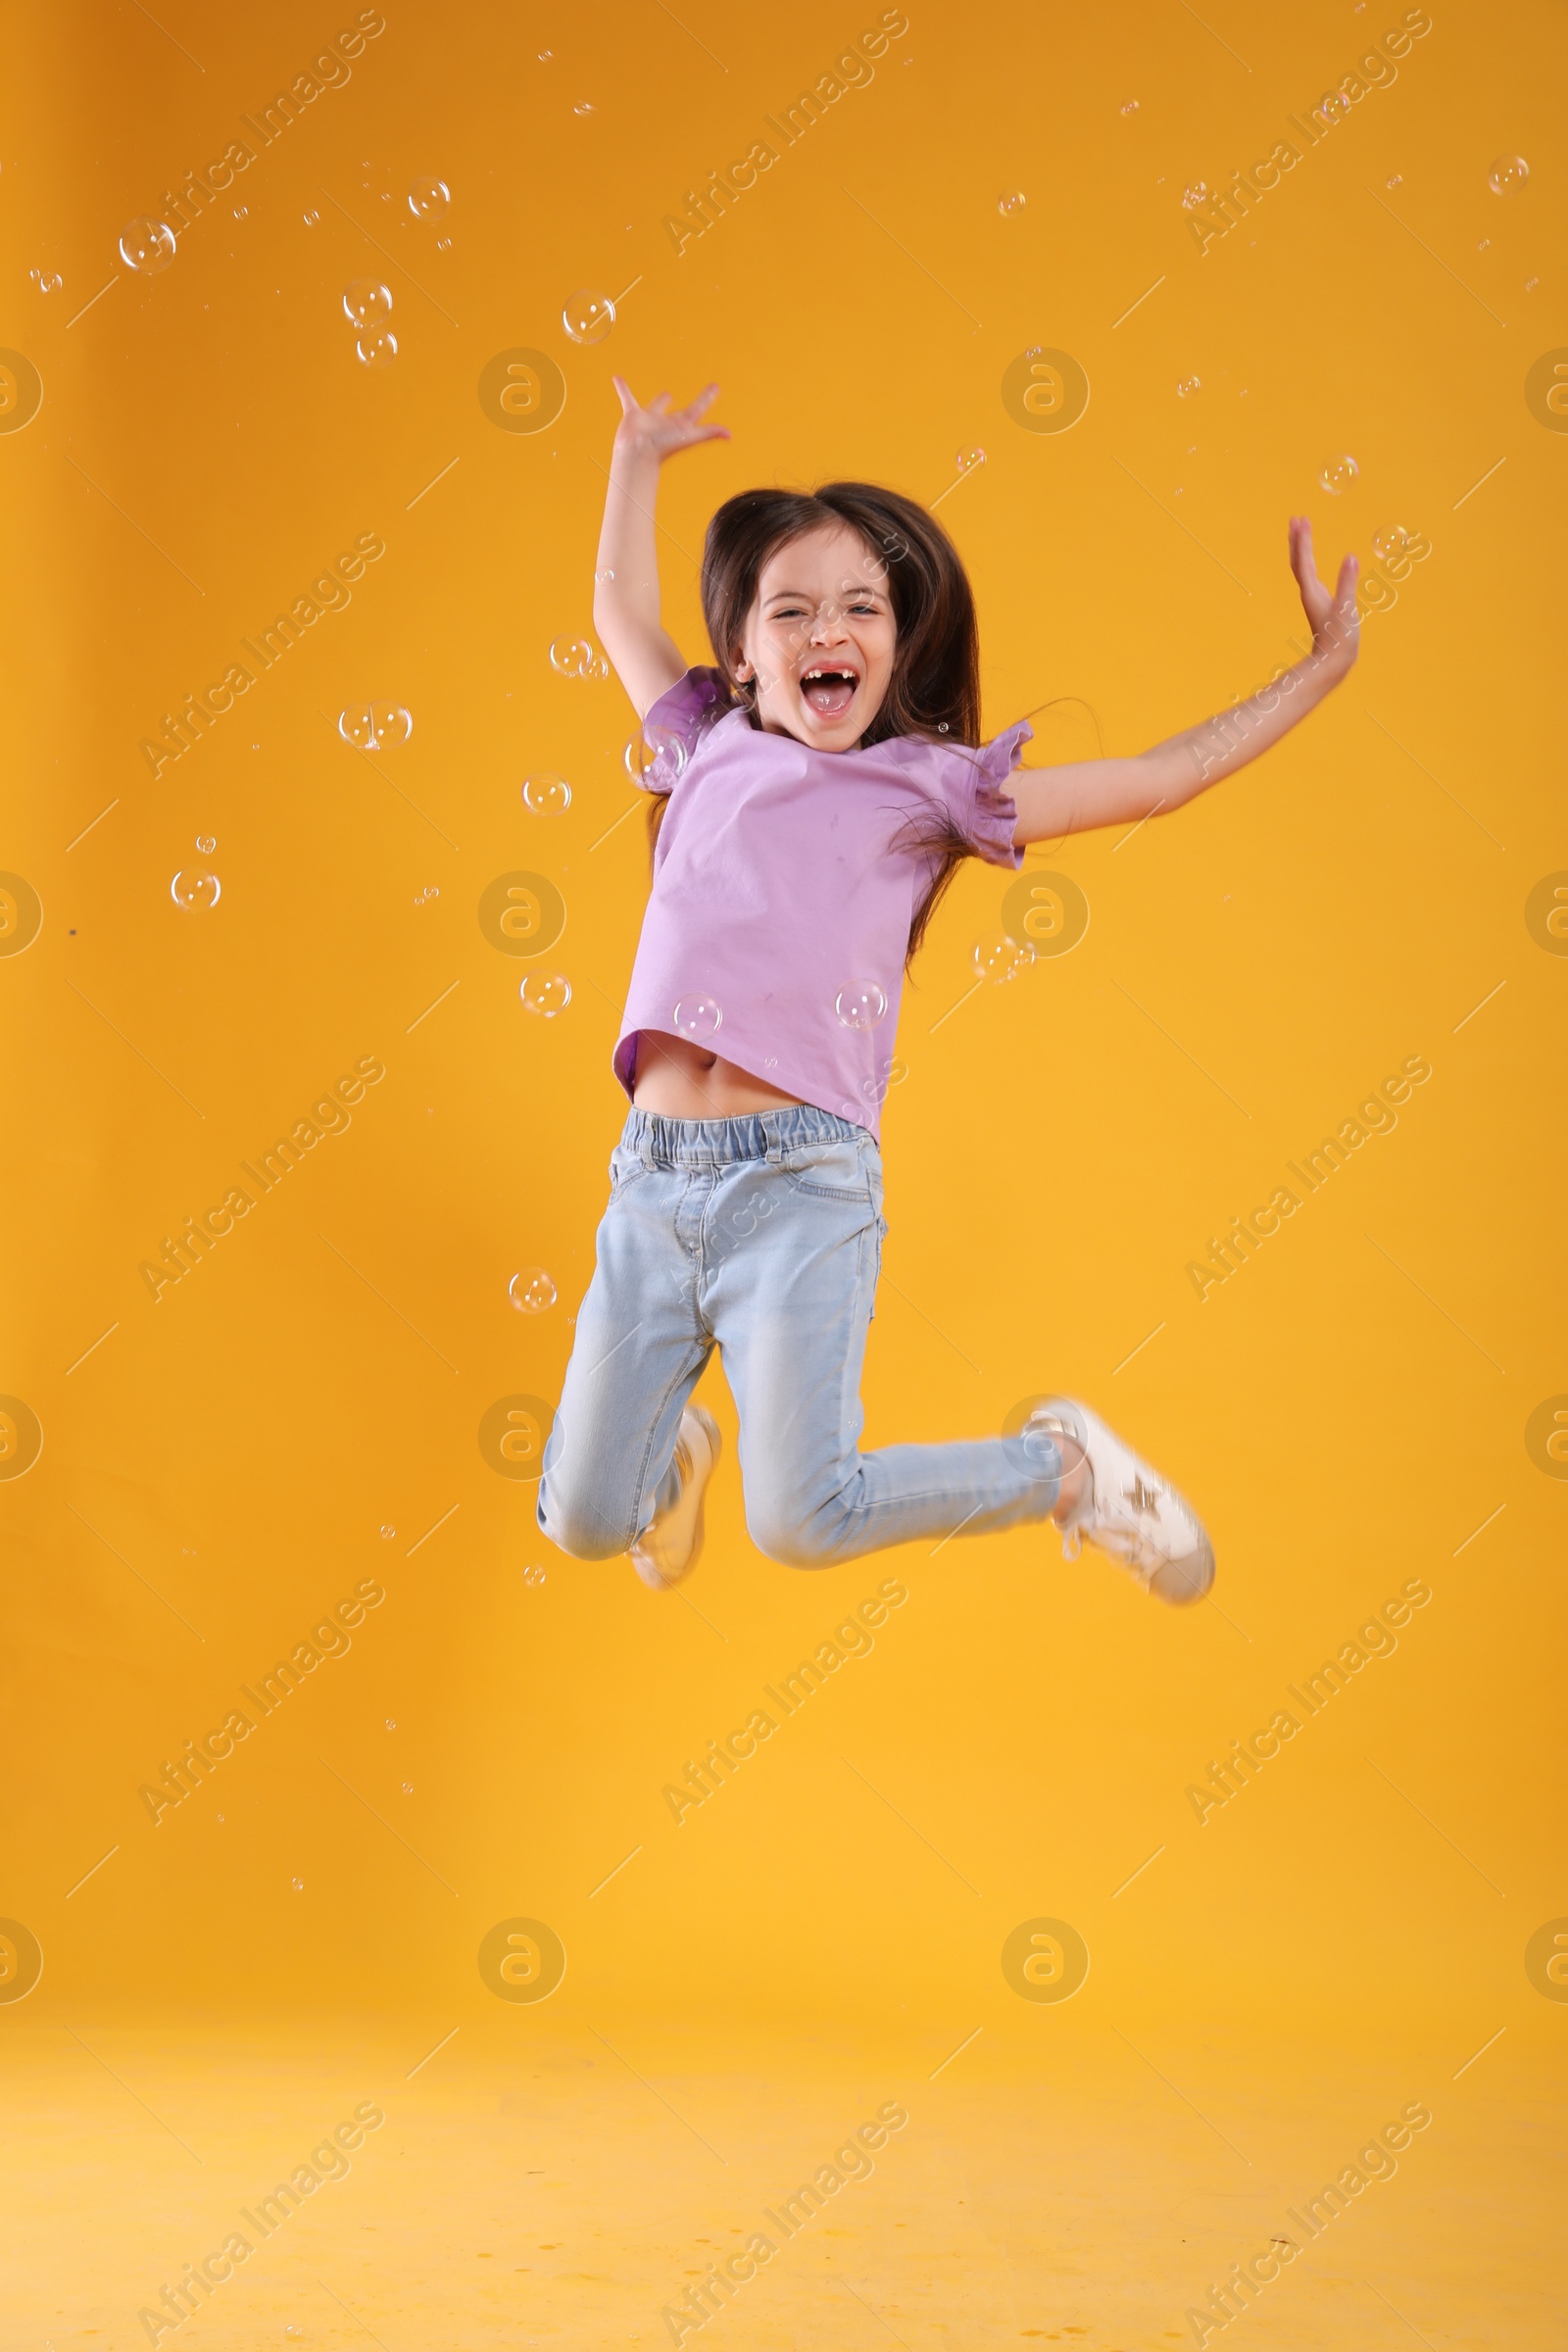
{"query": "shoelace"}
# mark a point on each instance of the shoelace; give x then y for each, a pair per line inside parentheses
(1129, 1545)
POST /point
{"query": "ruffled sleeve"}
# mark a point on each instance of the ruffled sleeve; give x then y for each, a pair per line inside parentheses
(981, 802)
(677, 724)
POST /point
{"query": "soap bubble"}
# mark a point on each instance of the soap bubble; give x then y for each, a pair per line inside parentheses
(192, 891)
(147, 246)
(408, 1790)
(546, 796)
(1338, 475)
(443, 244)
(576, 657)
(969, 458)
(532, 1575)
(369, 725)
(242, 212)
(661, 745)
(1333, 106)
(388, 1534)
(1013, 202)
(298, 1886)
(1388, 546)
(427, 196)
(1196, 195)
(998, 959)
(588, 316)
(313, 215)
(206, 844)
(1507, 175)
(377, 349)
(698, 1016)
(584, 106)
(366, 302)
(1129, 106)
(531, 1292)
(47, 282)
(603, 576)
(546, 994)
(1188, 387)
(1396, 179)
(861, 1005)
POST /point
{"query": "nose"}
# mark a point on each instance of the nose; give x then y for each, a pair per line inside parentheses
(828, 626)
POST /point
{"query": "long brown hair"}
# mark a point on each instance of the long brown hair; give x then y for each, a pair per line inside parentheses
(934, 689)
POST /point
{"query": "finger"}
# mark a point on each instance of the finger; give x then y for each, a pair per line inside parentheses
(628, 401)
(1345, 585)
(703, 401)
(1303, 561)
(660, 402)
(1300, 544)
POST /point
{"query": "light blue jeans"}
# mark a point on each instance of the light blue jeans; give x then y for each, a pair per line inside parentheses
(762, 1236)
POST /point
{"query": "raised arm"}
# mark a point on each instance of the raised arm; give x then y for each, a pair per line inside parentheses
(644, 657)
(1075, 798)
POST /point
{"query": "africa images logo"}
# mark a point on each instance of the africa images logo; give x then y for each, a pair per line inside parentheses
(1377, 1115)
(183, 1252)
(851, 70)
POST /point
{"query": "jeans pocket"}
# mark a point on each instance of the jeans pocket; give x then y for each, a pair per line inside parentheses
(624, 1170)
(832, 1170)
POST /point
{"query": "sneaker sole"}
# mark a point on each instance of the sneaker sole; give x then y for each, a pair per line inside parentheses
(1182, 1582)
(654, 1577)
(716, 1446)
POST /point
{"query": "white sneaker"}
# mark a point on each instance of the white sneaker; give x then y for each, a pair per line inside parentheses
(1129, 1510)
(670, 1546)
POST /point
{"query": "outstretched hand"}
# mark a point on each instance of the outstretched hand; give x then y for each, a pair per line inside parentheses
(1334, 620)
(658, 430)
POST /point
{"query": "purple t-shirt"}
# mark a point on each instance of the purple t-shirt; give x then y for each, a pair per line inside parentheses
(785, 882)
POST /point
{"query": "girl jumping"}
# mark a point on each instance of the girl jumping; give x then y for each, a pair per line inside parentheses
(812, 795)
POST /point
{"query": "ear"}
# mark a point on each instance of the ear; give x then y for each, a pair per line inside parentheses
(743, 670)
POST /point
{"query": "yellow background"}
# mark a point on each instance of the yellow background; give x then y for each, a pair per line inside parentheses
(1346, 1412)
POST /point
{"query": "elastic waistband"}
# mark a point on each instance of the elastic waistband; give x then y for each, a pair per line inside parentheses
(769, 1134)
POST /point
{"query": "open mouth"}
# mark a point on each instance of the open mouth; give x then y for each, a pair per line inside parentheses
(829, 689)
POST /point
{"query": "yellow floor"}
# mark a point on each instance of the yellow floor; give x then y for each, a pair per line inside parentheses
(527, 2189)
